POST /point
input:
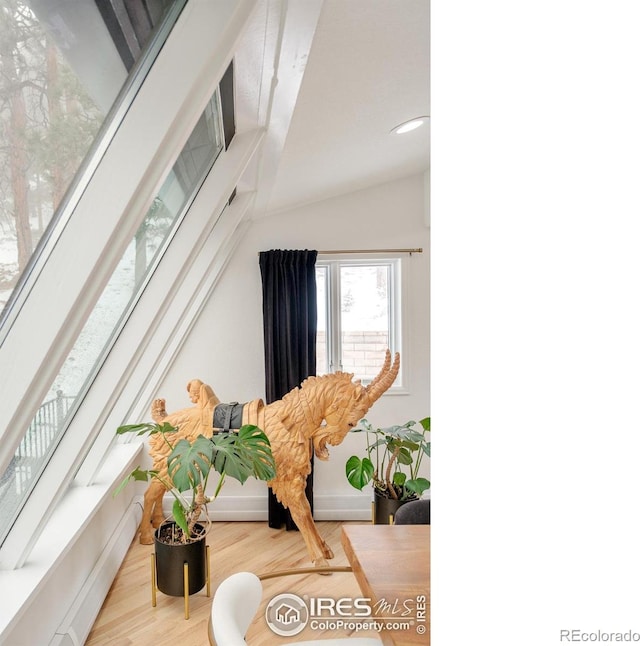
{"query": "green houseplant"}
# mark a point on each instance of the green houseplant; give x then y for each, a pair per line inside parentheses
(392, 462)
(181, 556)
(190, 463)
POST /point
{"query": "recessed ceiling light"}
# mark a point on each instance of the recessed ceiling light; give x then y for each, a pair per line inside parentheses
(408, 126)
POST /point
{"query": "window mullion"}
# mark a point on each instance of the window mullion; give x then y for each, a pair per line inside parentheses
(393, 309)
(200, 250)
(335, 329)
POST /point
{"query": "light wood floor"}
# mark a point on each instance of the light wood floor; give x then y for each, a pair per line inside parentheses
(127, 616)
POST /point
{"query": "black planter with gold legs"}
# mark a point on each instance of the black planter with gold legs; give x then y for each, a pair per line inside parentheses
(384, 509)
(180, 570)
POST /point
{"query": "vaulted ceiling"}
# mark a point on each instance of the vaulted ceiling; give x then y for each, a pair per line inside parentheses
(367, 71)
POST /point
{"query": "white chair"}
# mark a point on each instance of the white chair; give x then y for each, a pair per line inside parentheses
(235, 603)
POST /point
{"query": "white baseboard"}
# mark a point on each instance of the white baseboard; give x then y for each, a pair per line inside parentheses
(77, 624)
(332, 507)
(255, 508)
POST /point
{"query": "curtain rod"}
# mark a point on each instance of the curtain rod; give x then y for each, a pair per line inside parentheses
(337, 251)
(418, 250)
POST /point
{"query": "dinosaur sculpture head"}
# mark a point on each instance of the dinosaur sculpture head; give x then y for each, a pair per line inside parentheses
(351, 401)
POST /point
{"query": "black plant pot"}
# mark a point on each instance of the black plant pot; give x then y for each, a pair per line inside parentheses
(384, 509)
(170, 560)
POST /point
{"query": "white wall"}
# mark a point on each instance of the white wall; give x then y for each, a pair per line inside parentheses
(225, 347)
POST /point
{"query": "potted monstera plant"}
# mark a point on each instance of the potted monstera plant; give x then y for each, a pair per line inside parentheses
(190, 464)
(392, 462)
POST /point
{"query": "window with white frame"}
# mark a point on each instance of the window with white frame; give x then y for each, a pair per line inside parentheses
(110, 313)
(61, 77)
(359, 315)
(99, 231)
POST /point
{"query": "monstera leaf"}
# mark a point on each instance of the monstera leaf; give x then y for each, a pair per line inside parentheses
(418, 485)
(359, 472)
(243, 454)
(190, 463)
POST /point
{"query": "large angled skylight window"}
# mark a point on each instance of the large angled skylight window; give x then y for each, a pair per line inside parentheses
(64, 77)
(111, 311)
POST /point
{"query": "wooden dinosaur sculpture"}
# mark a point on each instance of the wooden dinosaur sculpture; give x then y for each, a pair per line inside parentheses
(293, 424)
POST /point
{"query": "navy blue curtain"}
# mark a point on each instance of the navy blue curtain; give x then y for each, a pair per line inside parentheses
(290, 317)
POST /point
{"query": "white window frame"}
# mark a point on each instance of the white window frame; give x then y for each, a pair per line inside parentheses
(105, 227)
(397, 299)
(85, 171)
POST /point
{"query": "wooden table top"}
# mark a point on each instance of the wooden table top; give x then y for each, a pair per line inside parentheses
(392, 566)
